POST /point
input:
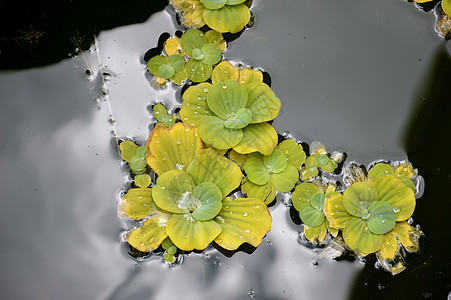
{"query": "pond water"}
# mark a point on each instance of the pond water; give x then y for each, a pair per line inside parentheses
(369, 78)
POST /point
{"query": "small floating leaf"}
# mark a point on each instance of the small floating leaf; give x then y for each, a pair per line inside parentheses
(137, 203)
(197, 71)
(303, 194)
(223, 72)
(212, 54)
(248, 75)
(311, 216)
(192, 39)
(177, 62)
(227, 97)
(335, 212)
(238, 120)
(316, 234)
(243, 220)
(382, 218)
(213, 4)
(213, 132)
(256, 171)
(276, 161)
(380, 170)
(209, 166)
(128, 150)
(188, 234)
(260, 137)
(294, 153)
(194, 105)
(210, 196)
(150, 235)
(265, 192)
(285, 180)
(263, 103)
(358, 197)
(359, 238)
(173, 46)
(142, 180)
(154, 64)
(229, 18)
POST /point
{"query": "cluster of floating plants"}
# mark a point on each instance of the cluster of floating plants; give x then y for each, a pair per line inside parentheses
(207, 173)
(442, 11)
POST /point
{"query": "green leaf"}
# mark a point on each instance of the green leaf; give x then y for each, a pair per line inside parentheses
(150, 235)
(234, 2)
(209, 166)
(285, 180)
(188, 234)
(260, 137)
(318, 201)
(303, 194)
(243, 220)
(194, 105)
(392, 190)
(214, 37)
(359, 196)
(141, 152)
(446, 6)
(330, 166)
(154, 64)
(177, 62)
(238, 120)
(265, 192)
(316, 234)
(213, 4)
(212, 54)
(137, 204)
(197, 54)
(142, 180)
(138, 165)
(166, 71)
(294, 153)
(335, 212)
(311, 162)
(323, 160)
(225, 98)
(213, 132)
(172, 148)
(382, 218)
(408, 182)
(210, 196)
(159, 111)
(223, 72)
(191, 40)
(256, 171)
(359, 238)
(169, 193)
(380, 170)
(310, 216)
(197, 71)
(276, 162)
(229, 18)
(128, 150)
(179, 77)
(263, 103)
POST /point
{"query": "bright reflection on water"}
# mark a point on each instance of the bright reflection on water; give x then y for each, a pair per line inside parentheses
(61, 176)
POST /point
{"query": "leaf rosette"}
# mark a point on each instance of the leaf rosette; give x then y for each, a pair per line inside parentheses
(169, 68)
(232, 115)
(308, 199)
(279, 171)
(189, 202)
(367, 211)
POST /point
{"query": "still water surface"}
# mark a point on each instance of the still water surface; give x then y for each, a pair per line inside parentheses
(348, 74)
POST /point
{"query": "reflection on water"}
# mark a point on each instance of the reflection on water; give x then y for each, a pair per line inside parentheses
(61, 175)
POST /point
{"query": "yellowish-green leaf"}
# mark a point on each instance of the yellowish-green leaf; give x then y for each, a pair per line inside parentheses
(294, 153)
(188, 234)
(209, 166)
(379, 170)
(150, 235)
(285, 180)
(172, 148)
(194, 105)
(223, 72)
(128, 150)
(389, 248)
(213, 132)
(316, 234)
(302, 194)
(262, 102)
(360, 239)
(335, 212)
(137, 203)
(392, 190)
(265, 192)
(359, 197)
(229, 18)
(249, 75)
(173, 46)
(408, 236)
(260, 137)
(243, 220)
(239, 159)
(197, 71)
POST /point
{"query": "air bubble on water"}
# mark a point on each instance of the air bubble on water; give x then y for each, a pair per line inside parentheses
(251, 293)
(269, 242)
(410, 221)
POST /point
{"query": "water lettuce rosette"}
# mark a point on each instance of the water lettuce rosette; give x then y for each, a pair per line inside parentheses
(168, 68)
(308, 199)
(189, 202)
(367, 211)
(233, 115)
(277, 172)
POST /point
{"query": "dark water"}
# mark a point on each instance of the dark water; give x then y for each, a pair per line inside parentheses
(369, 78)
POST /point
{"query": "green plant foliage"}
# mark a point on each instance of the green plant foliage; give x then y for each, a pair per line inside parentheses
(446, 6)
(135, 156)
(161, 115)
(169, 68)
(226, 18)
(231, 115)
(142, 180)
(319, 159)
(278, 171)
(203, 54)
(367, 211)
(309, 200)
(402, 170)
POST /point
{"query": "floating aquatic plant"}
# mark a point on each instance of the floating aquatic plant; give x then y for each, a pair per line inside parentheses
(168, 68)
(279, 171)
(371, 216)
(189, 202)
(308, 199)
(135, 156)
(220, 15)
(319, 159)
(232, 115)
(161, 115)
(202, 52)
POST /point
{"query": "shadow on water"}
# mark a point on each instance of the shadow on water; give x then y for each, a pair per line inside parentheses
(427, 140)
(44, 32)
